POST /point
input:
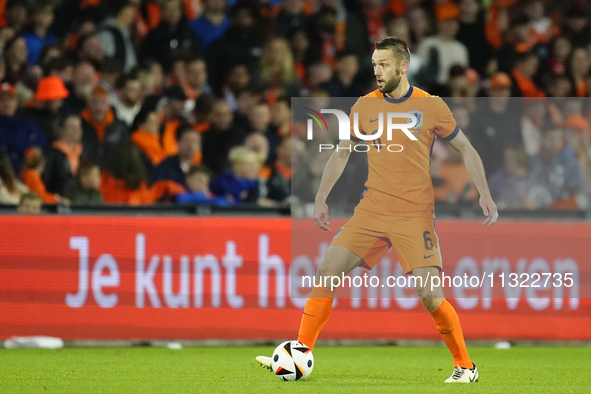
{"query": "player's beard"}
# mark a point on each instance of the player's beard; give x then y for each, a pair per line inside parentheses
(393, 83)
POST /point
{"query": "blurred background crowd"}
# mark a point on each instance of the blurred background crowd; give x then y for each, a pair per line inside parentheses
(188, 101)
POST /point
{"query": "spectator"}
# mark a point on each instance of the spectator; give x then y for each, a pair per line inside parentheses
(90, 50)
(212, 23)
(400, 28)
(246, 99)
(59, 66)
(201, 112)
(343, 83)
(560, 51)
(83, 82)
(281, 118)
(15, 58)
(16, 15)
(579, 65)
(39, 35)
(236, 81)
(515, 186)
(172, 37)
(34, 165)
(17, 132)
(48, 101)
(115, 34)
(448, 50)
(219, 138)
(240, 43)
(559, 85)
(472, 34)
(110, 72)
(278, 177)
(290, 18)
(86, 190)
(557, 168)
(11, 189)
(277, 71)
(240, 184)
(172, 107)
(29, 204)
(526, 67)
(420, 27)
(128, 104)
(521, 39)
(495, 124)
(101, 130)
(147, 138)
(151, 78)
(577, 28)
(541, 24)
(578, 133)
(196, 78)
(63, 156)
(299, 44)
(455, 185)
(198, 179)
(124, 180)
(174, 168)
(318, 74)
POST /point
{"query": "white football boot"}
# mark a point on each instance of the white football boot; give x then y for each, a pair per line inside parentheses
(264, 361)
(464, 375)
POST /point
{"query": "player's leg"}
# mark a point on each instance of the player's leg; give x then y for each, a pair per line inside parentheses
(417, 247)
(447, 323)
(339, 261)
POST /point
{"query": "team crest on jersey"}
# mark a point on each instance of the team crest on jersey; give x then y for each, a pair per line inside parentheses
(419, 116)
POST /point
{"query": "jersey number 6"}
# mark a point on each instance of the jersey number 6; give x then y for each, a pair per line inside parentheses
(428, 241)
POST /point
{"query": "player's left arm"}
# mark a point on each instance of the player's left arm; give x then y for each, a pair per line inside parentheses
(476, 171)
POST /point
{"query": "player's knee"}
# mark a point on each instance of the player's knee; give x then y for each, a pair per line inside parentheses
(431, 304)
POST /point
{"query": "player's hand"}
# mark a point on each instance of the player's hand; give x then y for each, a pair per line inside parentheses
(489, 208)
(321, 217)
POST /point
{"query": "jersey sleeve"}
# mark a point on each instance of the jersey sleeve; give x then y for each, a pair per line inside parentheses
(446, 126)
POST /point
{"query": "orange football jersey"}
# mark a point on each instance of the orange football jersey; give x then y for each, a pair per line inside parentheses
(399, 181)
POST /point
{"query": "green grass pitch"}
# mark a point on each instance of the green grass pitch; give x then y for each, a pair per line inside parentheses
(337, 370)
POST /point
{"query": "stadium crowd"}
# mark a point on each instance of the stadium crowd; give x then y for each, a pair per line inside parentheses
(188, 101)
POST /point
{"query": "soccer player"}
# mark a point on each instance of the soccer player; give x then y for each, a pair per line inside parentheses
(397, 207)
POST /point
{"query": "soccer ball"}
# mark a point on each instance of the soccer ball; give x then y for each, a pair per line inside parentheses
(292, 360)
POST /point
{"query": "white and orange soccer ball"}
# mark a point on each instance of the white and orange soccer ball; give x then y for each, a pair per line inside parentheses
(292, 360)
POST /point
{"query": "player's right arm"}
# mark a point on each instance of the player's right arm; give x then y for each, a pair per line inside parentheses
(332, 172)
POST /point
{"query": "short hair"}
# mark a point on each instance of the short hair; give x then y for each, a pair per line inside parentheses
(242, 154)
(524, 57)
(398, 46)
(85, 168)
(344, 53)
(201, 169)
(184, 129)
(29, 196)
(124, 78)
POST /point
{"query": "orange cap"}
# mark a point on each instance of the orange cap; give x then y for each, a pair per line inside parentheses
(446, 11)
(51, 88)
(500, 80)
(577, 122)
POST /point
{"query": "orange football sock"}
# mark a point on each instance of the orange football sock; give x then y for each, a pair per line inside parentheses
(315, 316)
(448, 324)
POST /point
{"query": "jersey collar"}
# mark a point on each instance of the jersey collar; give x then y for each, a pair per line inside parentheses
(401, 99)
